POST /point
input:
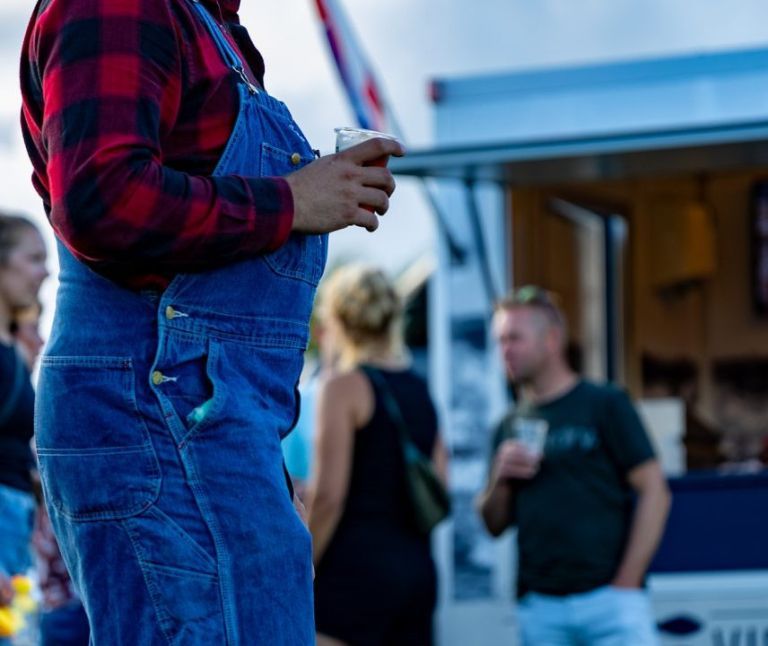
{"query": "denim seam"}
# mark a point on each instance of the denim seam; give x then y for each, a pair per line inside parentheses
(138, 448)
(86, 361)
(177, 571)
(229, 612)
(197, 310)
(296, 274)
(201, 332)
(171, 524)
(92, 516)
(164, 620)
(223, 563)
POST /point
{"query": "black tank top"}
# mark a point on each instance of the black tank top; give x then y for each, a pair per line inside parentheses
(16, 427)
(376, 582)
(377, 487)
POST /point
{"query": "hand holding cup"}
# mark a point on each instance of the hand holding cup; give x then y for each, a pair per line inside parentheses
(513, 461)
(348, 188)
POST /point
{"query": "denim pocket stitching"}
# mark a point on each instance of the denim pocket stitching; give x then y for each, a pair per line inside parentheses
(182, 535)
(139, 448)
(86, 361)
(276, 340)
(124, 366)
(308, 270)
(181, 573)
(304, 252)
(164, 620)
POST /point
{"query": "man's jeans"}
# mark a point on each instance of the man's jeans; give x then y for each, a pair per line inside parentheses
(606, 616)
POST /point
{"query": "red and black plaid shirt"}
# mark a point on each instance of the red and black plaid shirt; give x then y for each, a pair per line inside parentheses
(127, 107)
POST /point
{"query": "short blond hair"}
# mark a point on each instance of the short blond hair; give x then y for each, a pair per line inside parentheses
(368, 310)
(537, 298)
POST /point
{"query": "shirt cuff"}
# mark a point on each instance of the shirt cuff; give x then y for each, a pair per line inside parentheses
(282, 215)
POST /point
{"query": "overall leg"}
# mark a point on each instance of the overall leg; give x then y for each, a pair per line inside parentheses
(127, 524)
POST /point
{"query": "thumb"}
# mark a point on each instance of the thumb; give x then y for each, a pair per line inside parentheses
(372, 150)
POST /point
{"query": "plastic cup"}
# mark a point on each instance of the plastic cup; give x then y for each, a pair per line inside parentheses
(347, 137)
(531, 432)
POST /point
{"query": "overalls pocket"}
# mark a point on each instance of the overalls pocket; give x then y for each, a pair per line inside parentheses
(94, 449)
(303, 256)
(194, 390)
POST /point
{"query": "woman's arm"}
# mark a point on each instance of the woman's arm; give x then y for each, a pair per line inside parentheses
(440, 460)
(339, 404)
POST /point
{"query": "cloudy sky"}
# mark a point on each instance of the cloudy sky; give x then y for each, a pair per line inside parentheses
(410, 42)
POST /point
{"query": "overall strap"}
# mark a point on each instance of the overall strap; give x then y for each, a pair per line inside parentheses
(228, 53)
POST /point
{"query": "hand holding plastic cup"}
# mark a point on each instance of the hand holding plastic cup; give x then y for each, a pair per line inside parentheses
(347, 137)
(532, 434)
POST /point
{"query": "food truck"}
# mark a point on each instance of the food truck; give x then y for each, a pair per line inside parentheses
(638, 192)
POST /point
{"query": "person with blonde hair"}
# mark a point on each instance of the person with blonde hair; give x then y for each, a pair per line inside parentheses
(23, 269)
(376, 580)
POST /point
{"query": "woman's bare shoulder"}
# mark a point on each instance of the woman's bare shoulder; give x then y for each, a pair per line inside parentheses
(349, 389)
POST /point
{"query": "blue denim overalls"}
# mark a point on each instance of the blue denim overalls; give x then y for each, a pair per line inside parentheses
(159, 419)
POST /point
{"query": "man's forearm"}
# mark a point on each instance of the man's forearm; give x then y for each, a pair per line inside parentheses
(647, 528)
(496, 507)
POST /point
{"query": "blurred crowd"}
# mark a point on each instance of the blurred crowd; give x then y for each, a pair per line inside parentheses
(367, 460)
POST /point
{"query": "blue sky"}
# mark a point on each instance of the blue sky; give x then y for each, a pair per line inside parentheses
(410, 42)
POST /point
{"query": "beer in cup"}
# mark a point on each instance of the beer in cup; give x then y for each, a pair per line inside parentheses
(347, 137)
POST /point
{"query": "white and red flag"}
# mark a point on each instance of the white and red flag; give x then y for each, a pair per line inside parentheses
(355, 72)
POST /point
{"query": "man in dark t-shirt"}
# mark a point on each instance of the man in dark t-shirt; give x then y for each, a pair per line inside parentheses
(574, 470)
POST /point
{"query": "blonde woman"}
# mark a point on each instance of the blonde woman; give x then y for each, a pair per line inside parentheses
(376, 581)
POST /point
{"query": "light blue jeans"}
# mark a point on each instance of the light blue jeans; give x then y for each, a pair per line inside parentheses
(606, 616)
(17, 514)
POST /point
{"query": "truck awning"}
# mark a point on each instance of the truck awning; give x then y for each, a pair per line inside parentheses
(604, 157)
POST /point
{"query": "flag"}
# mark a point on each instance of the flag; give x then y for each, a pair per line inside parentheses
(355, 72)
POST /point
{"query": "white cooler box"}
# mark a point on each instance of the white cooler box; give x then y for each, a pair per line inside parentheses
(717, 609)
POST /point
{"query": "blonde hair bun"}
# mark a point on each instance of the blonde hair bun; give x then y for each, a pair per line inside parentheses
(364, 301)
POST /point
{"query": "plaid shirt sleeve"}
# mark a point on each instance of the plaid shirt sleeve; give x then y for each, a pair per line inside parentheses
(109, 77)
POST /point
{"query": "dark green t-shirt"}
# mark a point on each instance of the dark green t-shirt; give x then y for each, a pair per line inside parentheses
(573, 517)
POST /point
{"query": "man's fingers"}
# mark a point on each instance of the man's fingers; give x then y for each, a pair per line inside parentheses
(335, 191)
(377, 177)
(373, 149)
(375, 199)
(366, 219)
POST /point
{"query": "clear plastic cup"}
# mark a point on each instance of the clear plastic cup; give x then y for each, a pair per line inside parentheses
(531, 432)
(347, 137)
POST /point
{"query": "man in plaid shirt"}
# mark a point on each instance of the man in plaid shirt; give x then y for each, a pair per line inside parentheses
(191, 216)
(127, 109)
